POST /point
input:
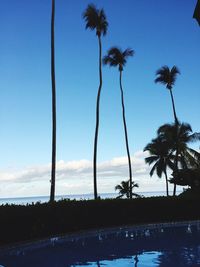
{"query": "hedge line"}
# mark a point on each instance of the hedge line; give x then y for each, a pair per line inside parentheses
(22, 223)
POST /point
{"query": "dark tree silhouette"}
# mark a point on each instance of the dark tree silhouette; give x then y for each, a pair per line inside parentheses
(187, 157)
(161, 156)
(196, 14)
(179, 135)
(53, 165)
(117, 57)
(124, 189)
(95, 19)
(168, 77)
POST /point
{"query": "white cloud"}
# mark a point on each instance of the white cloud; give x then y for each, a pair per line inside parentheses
(74, 177)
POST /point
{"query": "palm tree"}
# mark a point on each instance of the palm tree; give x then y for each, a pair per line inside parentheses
(168, 77)
(161, 155)
(117, 57)
(187, 157)
(53, 166)
(124, 189)
(179, 135)
(95, 19)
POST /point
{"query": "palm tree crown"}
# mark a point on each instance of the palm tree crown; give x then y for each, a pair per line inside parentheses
(95, 19)
(124, 189)
(160, 154)
(117, 57)
(179, 136)
(167, 76)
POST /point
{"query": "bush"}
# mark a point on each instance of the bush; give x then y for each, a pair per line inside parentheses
(21, 223)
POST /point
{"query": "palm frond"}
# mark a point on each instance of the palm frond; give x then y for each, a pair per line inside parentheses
(115, 57)
(161, 168)
(103, 22)
(170, 163)
(194, 137)
(160, 80)
(135, 185)
(128, 53)
(166, 76)
(118, 187)
(91, 16)
(175, 70)
(151, 159)
(108, 60)
(153, 169)
(95, 19)
(163, 70)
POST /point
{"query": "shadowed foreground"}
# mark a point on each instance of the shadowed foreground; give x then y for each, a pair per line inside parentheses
(23, 223)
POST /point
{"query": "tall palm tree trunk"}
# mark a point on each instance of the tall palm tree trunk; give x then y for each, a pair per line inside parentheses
(126, 134)
(176, 123)
(166, 180)
(97, 120)
(176, 160)
(173, 106)
(53, 166)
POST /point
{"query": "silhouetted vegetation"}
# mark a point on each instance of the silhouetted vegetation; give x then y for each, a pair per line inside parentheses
(187, 177)
(163, 151)
(169, 150)
(196, 14)
(22, 223)
(117, 58)
(124, 189)
(161, 156)
(168, 77)
(53, 81)
(96, 20)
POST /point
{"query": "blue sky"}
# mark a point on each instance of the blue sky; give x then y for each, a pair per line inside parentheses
(160, 32)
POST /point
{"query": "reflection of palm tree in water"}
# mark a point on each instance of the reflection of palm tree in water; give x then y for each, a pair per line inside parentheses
(98, 264)
(136, 261)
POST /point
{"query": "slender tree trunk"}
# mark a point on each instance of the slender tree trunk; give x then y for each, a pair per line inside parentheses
(53, 166)
(176, 125)
(176, 159)
(173, 106)
(166, 180)
(126, 134)
(97, 120)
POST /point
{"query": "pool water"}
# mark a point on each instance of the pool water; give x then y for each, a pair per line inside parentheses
(164, 245)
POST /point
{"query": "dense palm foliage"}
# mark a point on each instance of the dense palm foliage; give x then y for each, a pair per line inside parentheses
(95, 19)
(170, 150)
(180, 135)
(168, 77)
(53, 165)
(124, 189)
(161, 157)
(187, 157)
(117, 57)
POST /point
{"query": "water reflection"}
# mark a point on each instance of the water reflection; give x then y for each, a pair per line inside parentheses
(152, 246)
(136, 260)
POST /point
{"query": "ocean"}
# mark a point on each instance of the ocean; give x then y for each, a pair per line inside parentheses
(43, 199)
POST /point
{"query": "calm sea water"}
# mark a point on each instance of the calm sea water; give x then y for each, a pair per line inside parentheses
(43, 199)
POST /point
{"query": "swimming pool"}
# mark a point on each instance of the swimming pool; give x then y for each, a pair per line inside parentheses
(171, 244)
